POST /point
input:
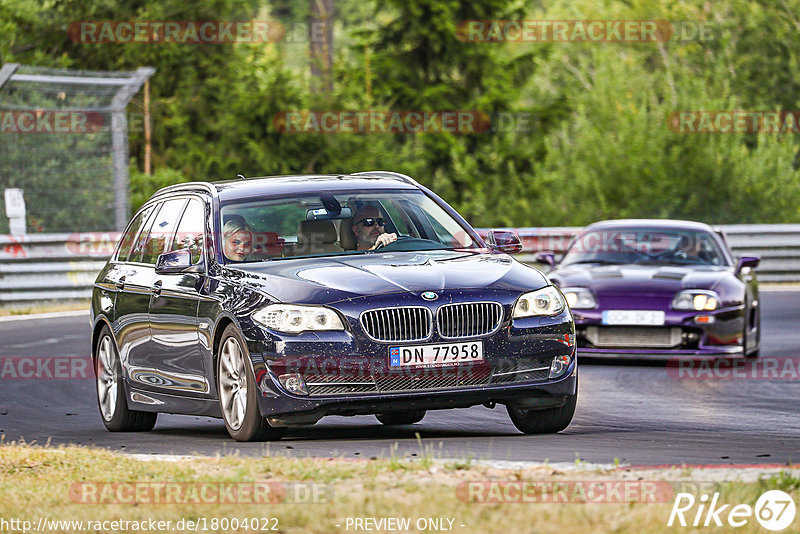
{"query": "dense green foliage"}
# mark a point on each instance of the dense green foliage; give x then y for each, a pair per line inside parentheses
(595, 143)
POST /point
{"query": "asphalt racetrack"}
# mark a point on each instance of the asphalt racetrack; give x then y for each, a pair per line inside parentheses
(636, 412)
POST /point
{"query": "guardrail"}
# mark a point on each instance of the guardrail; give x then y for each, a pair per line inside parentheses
(42, 267)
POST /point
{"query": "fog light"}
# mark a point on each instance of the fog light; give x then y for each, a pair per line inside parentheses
(265, 383)
(559, 366)
(704, 319)
(293, 383)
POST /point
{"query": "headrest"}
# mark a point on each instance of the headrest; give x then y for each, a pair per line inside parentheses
(266, 238)
(317, 231)
(346, 238)
(233, 217)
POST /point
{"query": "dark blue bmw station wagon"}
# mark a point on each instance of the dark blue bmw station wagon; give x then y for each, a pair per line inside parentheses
(272, 302)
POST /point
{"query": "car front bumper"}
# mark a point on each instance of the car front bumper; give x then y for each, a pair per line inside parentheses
(722, 336)
(288, 410)
(349, 374)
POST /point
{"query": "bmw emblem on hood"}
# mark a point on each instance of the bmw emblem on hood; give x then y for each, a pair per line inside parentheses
(429, 295)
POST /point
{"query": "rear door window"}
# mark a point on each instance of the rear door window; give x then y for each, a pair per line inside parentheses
(162, 233)
(141, 239)
(134, 231)
(191, 230)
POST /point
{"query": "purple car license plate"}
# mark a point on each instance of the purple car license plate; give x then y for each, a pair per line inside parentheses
(436, 355)
(634, 317)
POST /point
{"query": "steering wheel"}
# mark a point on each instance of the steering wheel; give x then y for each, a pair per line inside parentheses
(663, 255)
(399, 238)
(406, 240)
(638, 254)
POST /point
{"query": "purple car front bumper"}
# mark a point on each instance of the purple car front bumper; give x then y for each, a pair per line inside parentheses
(712, 334)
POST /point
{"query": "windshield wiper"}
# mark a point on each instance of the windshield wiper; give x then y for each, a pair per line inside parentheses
(658, 262)
(601, 262)
(671, 262)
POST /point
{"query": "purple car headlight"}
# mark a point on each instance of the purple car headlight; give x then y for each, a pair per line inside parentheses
(696, 300)
(579, 298)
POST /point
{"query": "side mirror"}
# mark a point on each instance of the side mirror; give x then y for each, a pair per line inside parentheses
(546, 257)
(504, 241)
(177, 261)
(746, 261)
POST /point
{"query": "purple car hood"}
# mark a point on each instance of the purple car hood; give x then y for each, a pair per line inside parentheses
(650, 279)
(334, 278)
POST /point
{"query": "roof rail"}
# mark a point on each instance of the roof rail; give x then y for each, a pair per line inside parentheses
(388, 174)
(187, 186)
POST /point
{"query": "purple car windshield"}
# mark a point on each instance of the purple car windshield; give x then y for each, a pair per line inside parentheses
(645, 247)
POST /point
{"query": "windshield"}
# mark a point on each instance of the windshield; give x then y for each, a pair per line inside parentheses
(327, 224)
(645, 246)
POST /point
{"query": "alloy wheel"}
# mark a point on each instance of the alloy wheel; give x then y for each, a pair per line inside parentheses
(106, 378)
(233, 383)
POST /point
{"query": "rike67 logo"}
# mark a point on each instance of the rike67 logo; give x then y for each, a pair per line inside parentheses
(774, 510)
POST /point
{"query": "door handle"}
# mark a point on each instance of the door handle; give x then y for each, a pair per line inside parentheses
(120, 284)
(157, 288)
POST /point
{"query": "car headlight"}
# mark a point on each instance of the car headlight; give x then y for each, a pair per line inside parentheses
(545, 301)
(579, 298)
(696, 299)
(295, 319)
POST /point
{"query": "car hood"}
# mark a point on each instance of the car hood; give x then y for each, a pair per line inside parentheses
(651, 279)
(331, 279)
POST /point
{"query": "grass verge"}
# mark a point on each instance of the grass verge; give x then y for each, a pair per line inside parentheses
(328, 495)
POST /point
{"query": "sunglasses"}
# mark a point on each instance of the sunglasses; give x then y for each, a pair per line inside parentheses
(371, 221)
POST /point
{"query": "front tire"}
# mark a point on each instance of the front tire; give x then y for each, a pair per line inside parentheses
(238, 394)
(547, 421)
(754, 354)
(401, 418)
(114, 411)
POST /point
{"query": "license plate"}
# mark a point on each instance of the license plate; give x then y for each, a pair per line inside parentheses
(436, 355)
(634, 317)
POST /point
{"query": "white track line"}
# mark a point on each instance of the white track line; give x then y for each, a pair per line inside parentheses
(54, 315)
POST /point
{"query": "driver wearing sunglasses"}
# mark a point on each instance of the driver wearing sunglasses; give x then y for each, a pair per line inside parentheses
(369, 229)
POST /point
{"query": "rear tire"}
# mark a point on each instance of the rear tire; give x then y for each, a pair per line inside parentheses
(111, 400)
(401, 418)
(547, 421)
(238, 394)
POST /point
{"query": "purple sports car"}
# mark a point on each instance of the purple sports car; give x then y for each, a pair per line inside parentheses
(658, 288)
